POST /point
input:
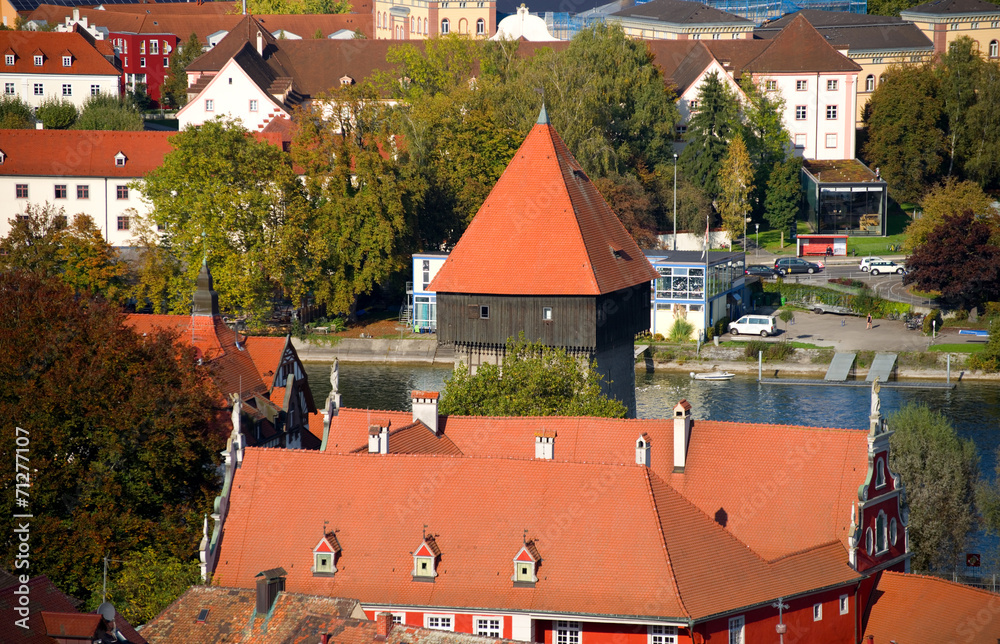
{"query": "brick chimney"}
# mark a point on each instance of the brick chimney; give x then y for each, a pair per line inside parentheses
(682, 434)
(378, 436)
(545, 441)
(383, 624)
(642, 450)
(425, 408)
(260, 43)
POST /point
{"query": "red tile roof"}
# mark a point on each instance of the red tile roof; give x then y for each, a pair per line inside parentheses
(75, 625)
(266, 354)
(544, 230)
(916, 609)
(52, 45)
(800, 48)
(679, 562)
(44, 597)
(81, 153)
(417, 438)
(805, 467)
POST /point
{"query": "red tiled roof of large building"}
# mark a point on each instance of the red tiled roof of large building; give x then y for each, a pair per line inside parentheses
(741, 468)
(81, 153)
(917, 609)
(544, 229)
(799, 48)
(679, 562)
(417, 438)
(53, 46)
(44, 597)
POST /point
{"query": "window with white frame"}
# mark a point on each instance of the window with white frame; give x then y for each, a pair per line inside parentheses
(845, 604)
(771, 85)
(142, 46)
(800, 112)
(67, 89)
(440, 622)
(831, 140)
(975, 25)
(800, 140)
(39, 89)
(209, 105)
(817, 612)
(166, 62)
(39, 60)
(95, 90)
(8, 88)
(399, 618)
(67, 61)
(693, 106)
(879, 473)
(480, 27)
(995, 24)
(660, 634)
(881, 541)
(736, 625)
(893, 531)
(831, 112)
(488, 627)
(567, 632)
(9, 59)
(831, 86)
(994, 49)
(676, 283)
(445, 26)
(954, 26)
(154, 46)
(253, 105)
(870, 83)
(142, 62)
(801, 85)
(547, 313)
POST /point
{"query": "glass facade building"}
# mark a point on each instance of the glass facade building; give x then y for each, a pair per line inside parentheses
(844, 197)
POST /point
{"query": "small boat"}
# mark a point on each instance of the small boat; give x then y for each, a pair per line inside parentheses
(712, 375)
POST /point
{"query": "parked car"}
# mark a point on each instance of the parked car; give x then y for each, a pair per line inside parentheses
(886, 266)
(760, 270)
(762, 325)
(785, 265)
(866, 262)
(821, 308)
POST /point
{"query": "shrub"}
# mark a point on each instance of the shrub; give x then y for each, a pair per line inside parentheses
(773, 351)
(15, 114)
(681, 330)
(57, 114)
(989, 358)
(709, 333)
(107, 112)
(930, 319)
(722, 325)
(786, 315)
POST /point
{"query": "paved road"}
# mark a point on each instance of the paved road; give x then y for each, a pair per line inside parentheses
(848, 333)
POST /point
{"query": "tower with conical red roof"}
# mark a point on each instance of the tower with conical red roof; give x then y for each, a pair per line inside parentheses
(546, 255)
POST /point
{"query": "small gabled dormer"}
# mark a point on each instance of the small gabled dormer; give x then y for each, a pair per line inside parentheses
(325, 556)
(3, 157)
(425, 559)
(545, 444)
(67, 58)
(9, 57)
(120, 159)
(346, 80)
(526, 566)
(38, 57)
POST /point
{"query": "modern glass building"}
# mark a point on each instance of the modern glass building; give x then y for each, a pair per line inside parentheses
(844, 197)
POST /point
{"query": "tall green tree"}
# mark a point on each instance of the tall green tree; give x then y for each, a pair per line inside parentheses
(940, 472)
(982, 153)
(906, 138)
(123, 445)
(762, 126)
(149, 581)
(173, 92)
(784, 195)
(959, 70)
(221, 192)
(735, 189)
(533, 380)
(709, 131)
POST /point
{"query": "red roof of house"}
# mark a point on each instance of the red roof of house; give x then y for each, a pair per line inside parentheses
(800, 48)
(812, 472)
(81, 153)
(678, 562)
(25, 45)
(917, 609)
(74, 625)
(44, 597)
(544, 230)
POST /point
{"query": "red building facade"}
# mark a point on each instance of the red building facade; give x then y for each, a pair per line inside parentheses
(145, 60)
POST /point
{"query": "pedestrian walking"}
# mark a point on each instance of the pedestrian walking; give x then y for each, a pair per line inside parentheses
(869, 321)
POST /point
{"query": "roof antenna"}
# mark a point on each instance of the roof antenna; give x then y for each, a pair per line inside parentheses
(324, 528)
(524, 537)
(424, 532)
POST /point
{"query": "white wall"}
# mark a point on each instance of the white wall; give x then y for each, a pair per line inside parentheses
(80, 84)
(823, 138)
(230, 92)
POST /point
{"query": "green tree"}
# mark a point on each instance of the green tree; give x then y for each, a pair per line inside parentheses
(763, 128)
(33, 241)
(121, 427)
(709, 131)
(15, 114)
(982, 162)
(784, 194)
(222, 191)
(633, 206)
(293, 7)
(159, 281)
(940, 471)
(533, 380)
(735, 188)
(989, 360)
(149, 581)
(173, 92)
(944, 202)
(56, 114)
(107, 112)
(906, 139)
(959, 72)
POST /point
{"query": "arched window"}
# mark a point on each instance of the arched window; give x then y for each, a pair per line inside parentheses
(378, 19)
(425, 26)
(481, 31)
(994, 49)
(412, 23)
(881, 543)
(870, 83)
(879, 474)
(463, 26)
(445, 26)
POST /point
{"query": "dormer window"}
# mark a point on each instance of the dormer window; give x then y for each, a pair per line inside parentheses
(120, 159)
(2, 157)
(39, 59)
(346, 80)
(425, 560)
(67, 61)
(8, 59)
(525, 566)
(325, 556)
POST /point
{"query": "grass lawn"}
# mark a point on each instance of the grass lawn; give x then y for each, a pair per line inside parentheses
(958, 348)
(862, 246)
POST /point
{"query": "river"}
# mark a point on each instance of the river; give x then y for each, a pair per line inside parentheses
(973, 406)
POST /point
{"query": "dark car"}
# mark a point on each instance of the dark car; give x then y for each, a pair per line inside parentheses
(761, 270)
(787, 265)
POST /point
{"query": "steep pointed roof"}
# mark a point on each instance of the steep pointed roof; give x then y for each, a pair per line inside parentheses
(798, 48)
(544, 230)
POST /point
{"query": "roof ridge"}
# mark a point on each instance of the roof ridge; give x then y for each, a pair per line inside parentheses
(949, 582)
(663, 541)
(803, 551)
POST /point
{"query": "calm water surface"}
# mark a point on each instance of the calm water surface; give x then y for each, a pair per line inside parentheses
(973, 407)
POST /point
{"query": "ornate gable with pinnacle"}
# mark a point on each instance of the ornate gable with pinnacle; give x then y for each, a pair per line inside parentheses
(879, 536)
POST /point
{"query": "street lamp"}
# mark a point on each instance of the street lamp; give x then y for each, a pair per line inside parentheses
(675, 201)
(757, 226)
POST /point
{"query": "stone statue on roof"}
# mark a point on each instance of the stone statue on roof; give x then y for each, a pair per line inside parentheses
(876, 403)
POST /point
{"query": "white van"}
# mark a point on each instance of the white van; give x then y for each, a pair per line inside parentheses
(762, 325)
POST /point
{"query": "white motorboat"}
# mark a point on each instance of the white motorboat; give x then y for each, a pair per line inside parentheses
(713, 375)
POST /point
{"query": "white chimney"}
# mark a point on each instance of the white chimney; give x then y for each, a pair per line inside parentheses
(545, 444)
(642, 450)
(682, 434)
(425, 408)
(76, 15)
(378, 437)
(260, 43)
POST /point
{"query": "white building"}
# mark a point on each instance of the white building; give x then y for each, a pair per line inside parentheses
(80, 171)
(46, 65)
